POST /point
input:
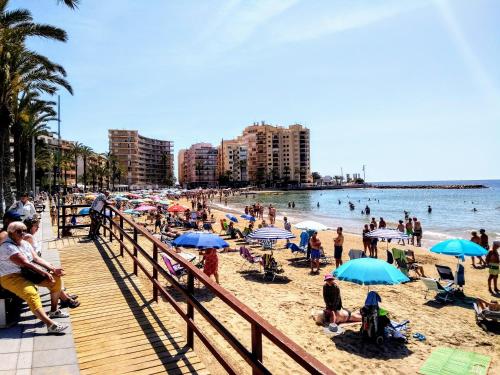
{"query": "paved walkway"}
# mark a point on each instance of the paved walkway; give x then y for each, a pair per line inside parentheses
(119, 328)
(26, 348)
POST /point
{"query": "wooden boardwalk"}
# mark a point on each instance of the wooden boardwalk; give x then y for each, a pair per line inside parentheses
(118, 329)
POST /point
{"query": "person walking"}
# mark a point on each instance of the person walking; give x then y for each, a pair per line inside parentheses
(493, 262)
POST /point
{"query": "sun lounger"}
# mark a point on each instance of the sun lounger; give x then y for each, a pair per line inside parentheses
(296, 249)
(443, 293)
(486, 315)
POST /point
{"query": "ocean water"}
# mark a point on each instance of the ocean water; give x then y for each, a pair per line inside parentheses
(452, 210)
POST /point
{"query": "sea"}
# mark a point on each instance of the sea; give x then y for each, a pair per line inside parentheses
(452, 216)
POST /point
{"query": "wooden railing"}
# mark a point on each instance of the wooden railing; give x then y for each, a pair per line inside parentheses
(119, 229)
(63, 216)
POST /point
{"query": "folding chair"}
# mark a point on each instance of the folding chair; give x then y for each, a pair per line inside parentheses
(443, 293)
(271, 267)
(175, 270)
(445, 273)
(250, 260)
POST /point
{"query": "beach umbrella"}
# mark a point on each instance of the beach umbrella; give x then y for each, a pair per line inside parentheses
(149, 200)
(84, 211)
(133, 196)
(177, 208)
(248, 217)
(387, 233)
(271, 233)
(200, 240)
(311, 225)
(137, 201)
(145, 208)
(120, 198)
(370, 271)
(165, 203)
(232, 218)
(459, 248)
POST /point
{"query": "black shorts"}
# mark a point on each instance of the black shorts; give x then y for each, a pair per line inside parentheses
(337, 252)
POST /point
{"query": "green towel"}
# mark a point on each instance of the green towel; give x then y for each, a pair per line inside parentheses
(399, 254)
(448, 361)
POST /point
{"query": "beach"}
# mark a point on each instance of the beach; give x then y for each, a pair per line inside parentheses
(288, 304)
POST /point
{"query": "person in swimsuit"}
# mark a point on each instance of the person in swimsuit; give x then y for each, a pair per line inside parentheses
(409, 231)
(477, 240)
(338, 246)
(315, 245)
(366, 239)
(333, 303)
(373, 244)
(210, 263)
(493, 262)
(417, 231)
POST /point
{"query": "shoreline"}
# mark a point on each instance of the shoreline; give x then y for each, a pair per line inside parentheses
(372, 186)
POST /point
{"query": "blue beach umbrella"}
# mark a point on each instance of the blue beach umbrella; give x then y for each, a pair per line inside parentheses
(84, 211)
(369, 271)
(248, 217)
(459, 248)
(232, 218)
(200, 240)
(271, 233)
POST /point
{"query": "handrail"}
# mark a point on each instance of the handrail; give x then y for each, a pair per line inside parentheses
(259, 326)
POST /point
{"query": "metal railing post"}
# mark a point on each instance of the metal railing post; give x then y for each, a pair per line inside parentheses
(155, 272)
(190, 310)
(256, 345)
(121, 236)
(135, 251)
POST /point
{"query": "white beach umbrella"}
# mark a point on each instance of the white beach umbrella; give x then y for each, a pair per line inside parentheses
(311, 225)
(387, 234)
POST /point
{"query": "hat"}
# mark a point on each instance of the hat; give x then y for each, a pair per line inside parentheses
(329, 276)
(12, 216)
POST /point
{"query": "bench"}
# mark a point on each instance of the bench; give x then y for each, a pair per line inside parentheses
(10, 308)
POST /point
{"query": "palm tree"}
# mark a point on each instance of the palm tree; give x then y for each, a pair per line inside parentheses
(86, 152)
(69, 3)
(22, 70)
(75, 152)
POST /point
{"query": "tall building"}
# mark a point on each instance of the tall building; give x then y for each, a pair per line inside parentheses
(147, 162)
(267, 154)
(198, 166)
(68, 173)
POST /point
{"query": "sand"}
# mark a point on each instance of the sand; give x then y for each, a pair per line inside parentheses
(287, 305)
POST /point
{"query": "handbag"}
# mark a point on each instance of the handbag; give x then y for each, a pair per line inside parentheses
(31, 275)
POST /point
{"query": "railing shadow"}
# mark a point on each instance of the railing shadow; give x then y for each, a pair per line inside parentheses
(150, 332)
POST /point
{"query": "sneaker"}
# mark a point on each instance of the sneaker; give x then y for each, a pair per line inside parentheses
(56, 328)
(58, 314)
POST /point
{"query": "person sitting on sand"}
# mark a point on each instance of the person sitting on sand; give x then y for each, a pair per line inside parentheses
(493, 262)
(315, 244)
(334, 311)
(485, 305)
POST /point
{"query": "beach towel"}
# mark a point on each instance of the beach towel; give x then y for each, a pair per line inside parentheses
(455, 362)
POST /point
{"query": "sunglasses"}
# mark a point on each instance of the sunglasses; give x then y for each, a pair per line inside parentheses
(20, 231)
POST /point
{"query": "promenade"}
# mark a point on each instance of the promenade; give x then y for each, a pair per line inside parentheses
(118, 328)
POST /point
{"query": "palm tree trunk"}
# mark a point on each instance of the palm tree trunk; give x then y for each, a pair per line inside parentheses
(29, 164)
(84, 173)
(16, 135)
(76, 171)
(23, 183)
(5, 168)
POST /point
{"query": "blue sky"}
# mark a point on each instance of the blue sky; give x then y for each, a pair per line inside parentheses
(409, 88)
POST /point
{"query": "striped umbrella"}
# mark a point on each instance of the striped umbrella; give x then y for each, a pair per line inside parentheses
(271, 233)
(387, 233)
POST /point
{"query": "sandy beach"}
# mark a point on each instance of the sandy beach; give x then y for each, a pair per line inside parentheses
(287, 305)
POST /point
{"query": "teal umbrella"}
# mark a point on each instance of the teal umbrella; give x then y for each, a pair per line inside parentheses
(459, 248)
(370, 271)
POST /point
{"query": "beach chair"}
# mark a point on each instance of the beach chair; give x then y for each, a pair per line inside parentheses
(401, 261)
(485, 315)
(250, 260)
(356, 254)
(295, 249)
(443, 293)
(445, 274)
(175, 270)
(271, 268)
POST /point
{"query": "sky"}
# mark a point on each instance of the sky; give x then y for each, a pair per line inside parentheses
(409, 88)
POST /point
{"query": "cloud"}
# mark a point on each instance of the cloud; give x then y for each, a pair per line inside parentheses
(337, 19)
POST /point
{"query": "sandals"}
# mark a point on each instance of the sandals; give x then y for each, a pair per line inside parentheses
(71, 303)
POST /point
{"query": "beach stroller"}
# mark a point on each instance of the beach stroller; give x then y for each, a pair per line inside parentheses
(373, 323)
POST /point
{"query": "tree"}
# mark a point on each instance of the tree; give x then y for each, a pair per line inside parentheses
(69, 3)
(316, 177)
(22, 71)
(86, 152)
(75, 152)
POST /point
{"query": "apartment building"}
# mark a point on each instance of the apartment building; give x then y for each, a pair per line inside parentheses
(270, 154)
(198, 166)
(68, 173)
(147, 162)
